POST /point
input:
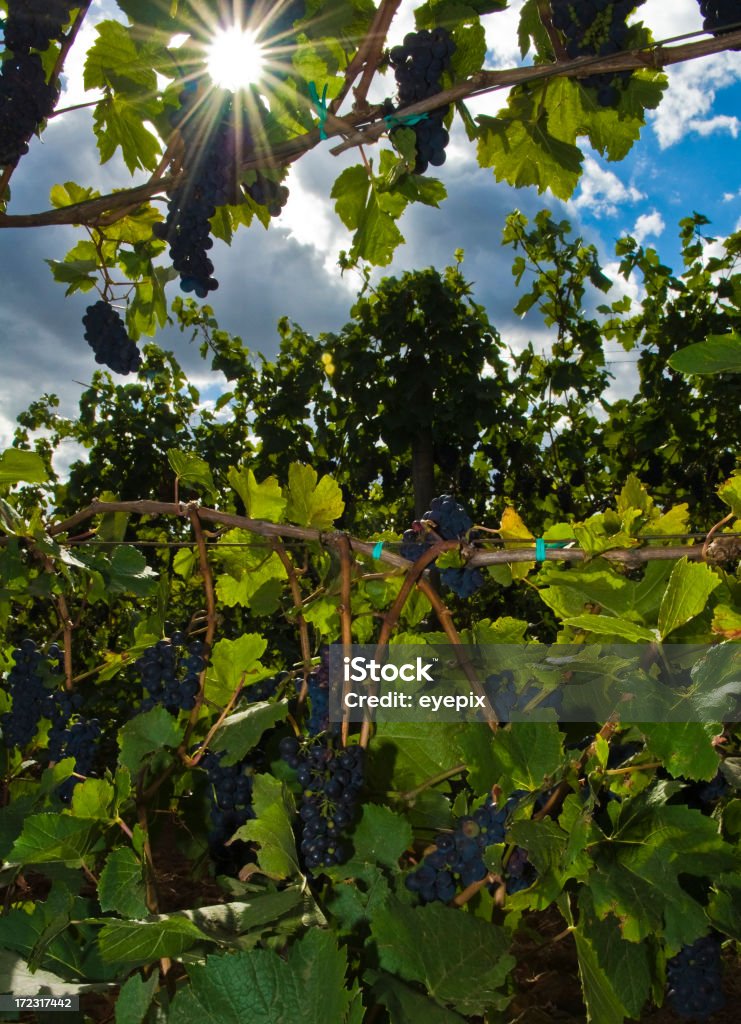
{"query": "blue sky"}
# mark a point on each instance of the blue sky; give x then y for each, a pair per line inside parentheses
(687, 159)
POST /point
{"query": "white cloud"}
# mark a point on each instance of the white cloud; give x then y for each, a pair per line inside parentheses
(690, 98)
(602, 192)
(648, 224)
(667, 20)
(714, 125)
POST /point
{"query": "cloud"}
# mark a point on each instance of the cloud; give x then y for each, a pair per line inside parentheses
(716, 125)
(648, 224)
(690, 98)
(601, 192)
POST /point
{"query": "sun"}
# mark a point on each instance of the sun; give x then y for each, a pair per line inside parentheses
(235, 58)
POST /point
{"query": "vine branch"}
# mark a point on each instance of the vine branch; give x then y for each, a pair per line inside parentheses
(261, 156)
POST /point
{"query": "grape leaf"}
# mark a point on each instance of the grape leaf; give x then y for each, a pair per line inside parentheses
(690, 586)
(274, 808)
(525, 753)
(139, 942)
(49, 837)
(312, 503)
(685, 747)
(18, 466)
(121, 885)
(262, 988)
(720, 353)
(461, 960)
(240, 733)
(261, 501)
(135, 998)
(144, 735)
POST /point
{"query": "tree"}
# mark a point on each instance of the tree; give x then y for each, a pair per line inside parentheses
(576, 93)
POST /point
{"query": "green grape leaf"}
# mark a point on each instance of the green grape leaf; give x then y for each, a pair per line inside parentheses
(405, 1004)
(120, 122)
(602, 1002)
(145, 735)
(192, 471)
(261, 501)
(274, 808)
(461, 960)
(690, 586)
(93, 798)
(730, 493)
(380, 837)
(240, 733)
(232, 663)
(521, 150)
(121, 885)
(18, 466)
(51, 837)
(114, 62)
(128, 573)
(685, 747)
(313, 502)
(720, 353)
(132, 943)
(262, 988)
(612, 627)
(135, 998)
(525, 753)
(416, 751)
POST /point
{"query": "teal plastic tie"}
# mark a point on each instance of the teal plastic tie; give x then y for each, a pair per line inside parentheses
(541, 548)
(378, 549)
(405, 121)
(321, 107)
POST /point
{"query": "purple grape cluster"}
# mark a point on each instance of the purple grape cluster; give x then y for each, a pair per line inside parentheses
(458, 860)
(451, 522)
(105, 333)
(28, 692)
(212, 140)
(33, 24)
(79, 740)
(695, 979)
(720, 15)
(230, 788)
(26, 101)
(418, 66)
(170, 673)
(596, 28)
(331, 786)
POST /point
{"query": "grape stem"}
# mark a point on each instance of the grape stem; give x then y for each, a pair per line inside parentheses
(208, 586)
(345, 550)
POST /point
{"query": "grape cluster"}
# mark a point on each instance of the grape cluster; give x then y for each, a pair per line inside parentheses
(451, 522)
(695, 979)
(169, 671)
(79, 740)
(596, 28)
(459, 857)
(212, 141)
(26, 100)
(32, 24)
(331, 785)
(418, 66)
(719, 15)
(27, 690)
(105, 333)
(231, 806)
(519, 872)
